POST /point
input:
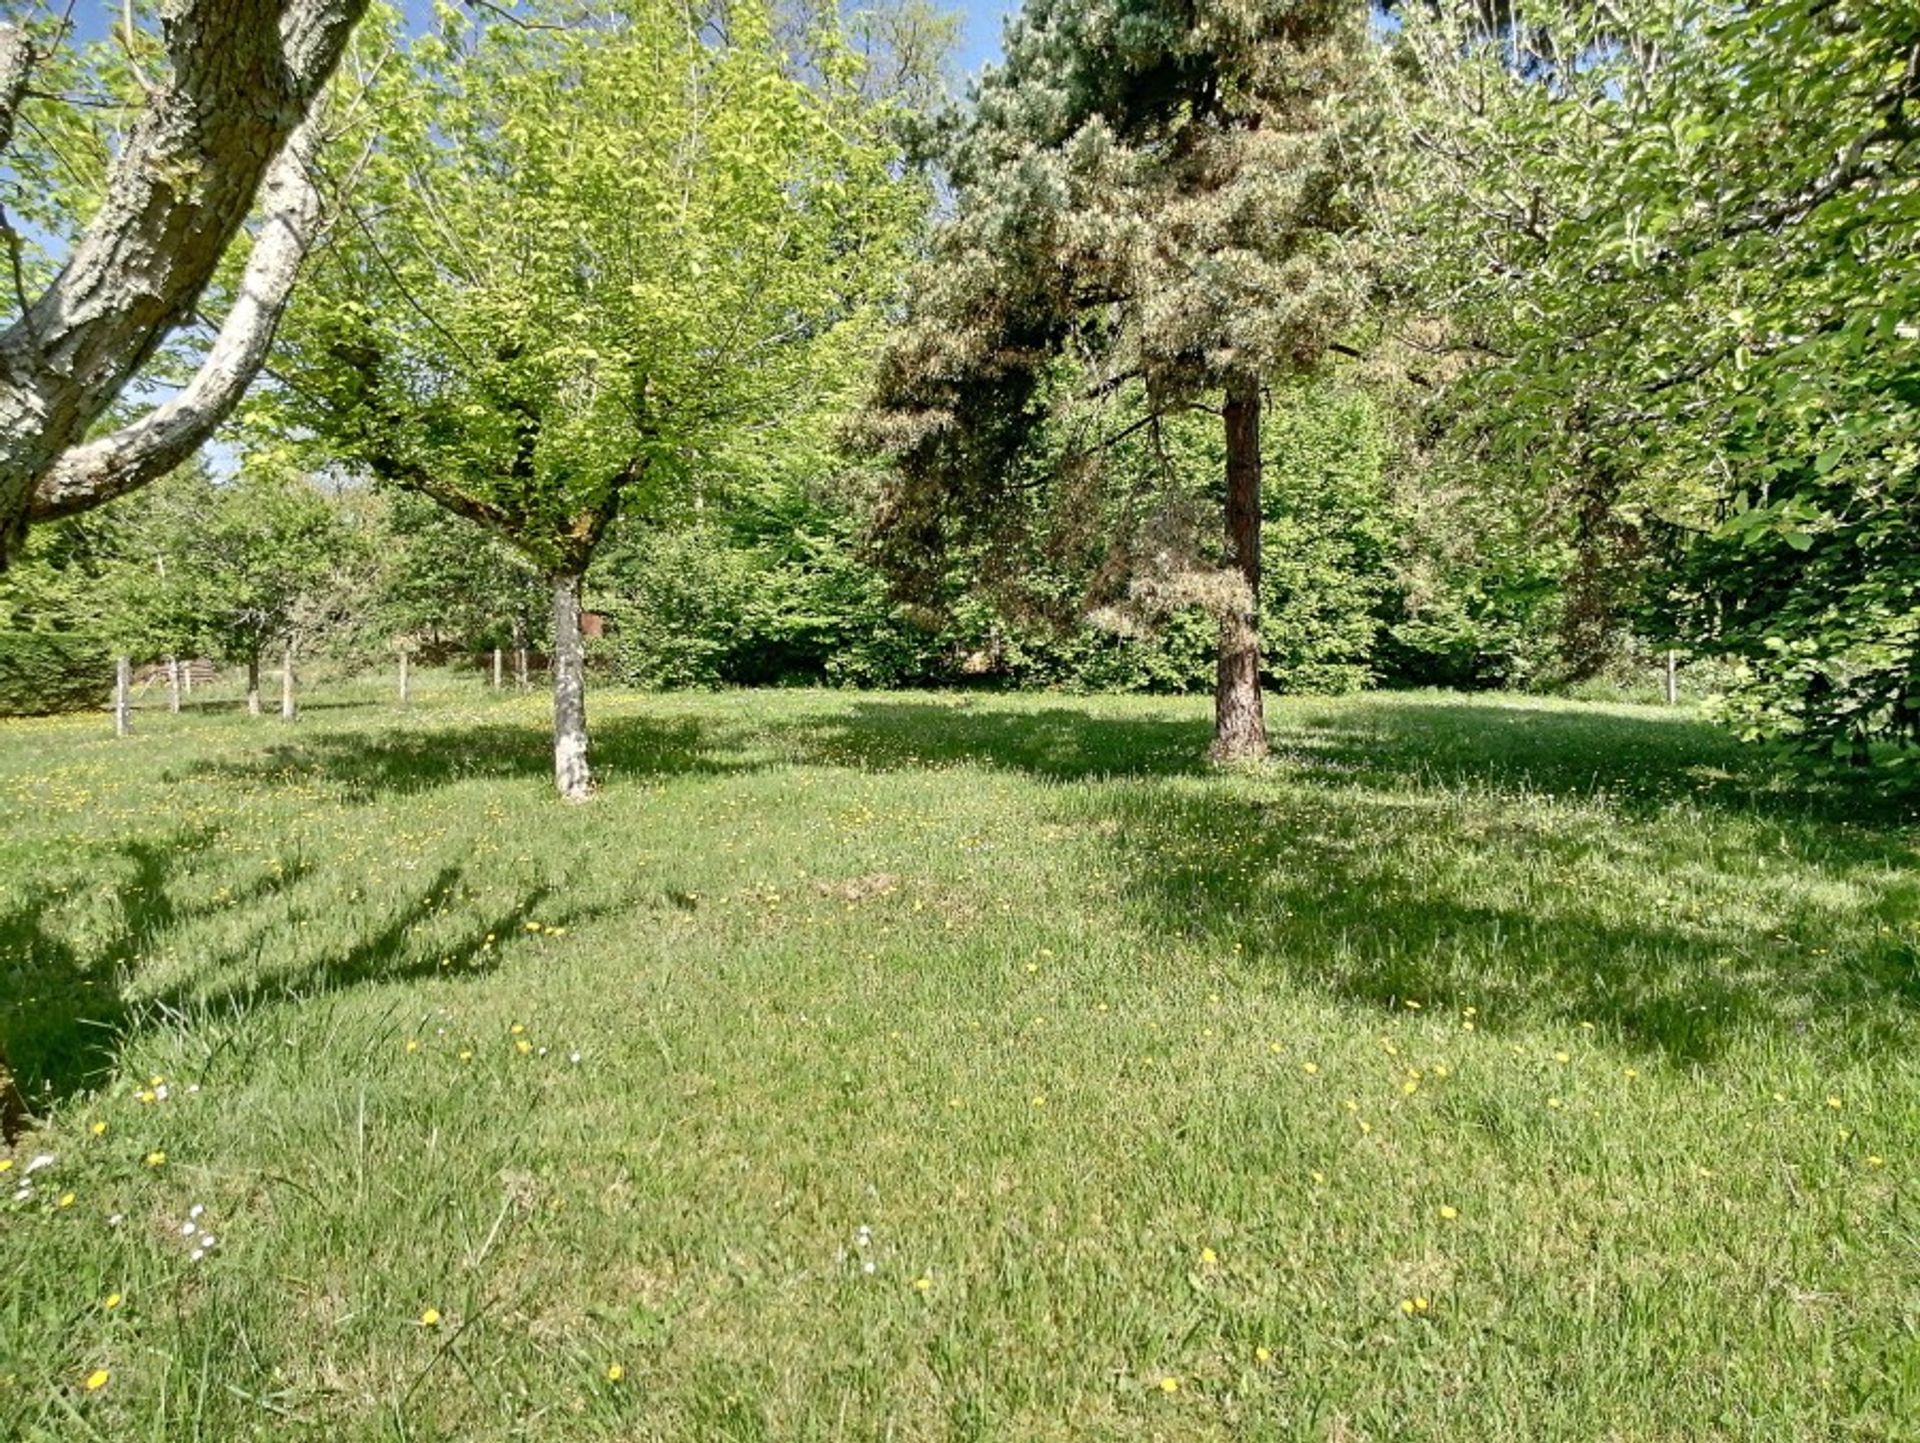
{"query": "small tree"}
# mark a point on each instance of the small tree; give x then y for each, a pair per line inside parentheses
(1151, 192)
(601, 258)
(251, 564)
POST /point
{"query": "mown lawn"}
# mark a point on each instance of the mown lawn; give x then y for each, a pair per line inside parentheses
(925, 1067)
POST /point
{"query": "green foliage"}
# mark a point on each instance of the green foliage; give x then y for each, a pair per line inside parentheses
(604, 259)
(1678, 234)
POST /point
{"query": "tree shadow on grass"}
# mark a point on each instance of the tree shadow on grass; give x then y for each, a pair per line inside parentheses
(1408, 849)
(70, 1009)
(365, 766)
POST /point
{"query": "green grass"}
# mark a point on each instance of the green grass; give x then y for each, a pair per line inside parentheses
(1147, 1072)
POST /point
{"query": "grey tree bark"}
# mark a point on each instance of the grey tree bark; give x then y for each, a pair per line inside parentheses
(1239, 718)
(253, 683)
(242, 79)
(122, 696)
(289, 709)
(570, 771)
(173, 685)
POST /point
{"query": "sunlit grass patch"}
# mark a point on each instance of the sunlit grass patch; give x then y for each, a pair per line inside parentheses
(944, 1067)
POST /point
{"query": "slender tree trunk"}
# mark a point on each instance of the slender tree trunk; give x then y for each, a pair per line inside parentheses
(173, 685)
(570, 773)
(288, 711)
(122, 696)
(406, 688)
(520, 653)
(496, 668)
(13, 1107)
(1239, 721)
(253, 682)
(1673, 678)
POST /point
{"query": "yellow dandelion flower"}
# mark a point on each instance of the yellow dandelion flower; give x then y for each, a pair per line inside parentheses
(1366, 1127)
(6, 1164)
(523, 1046)
(1263, 1355)
(921, 1284)
(1318, 1177)
(1169, 1385)
(66, 1200)
(99, 1129)
(1419, 1305)
(1409, 1087)
(517, 1028)
(1312, 1069)
(156, 1159)
(1875, 1160)
(97, 1379)
(1406, 1306)
(1833, 1102)
(110, 1302)
(430, 1318)
(1449, 1212)
(616, 1373)
(412, 1046)
(1555, 1103)
(1039, 1102)
(1563, 1057)
(1208, 1257)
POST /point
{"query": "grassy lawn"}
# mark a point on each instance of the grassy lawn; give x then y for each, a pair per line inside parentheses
(920, 1067)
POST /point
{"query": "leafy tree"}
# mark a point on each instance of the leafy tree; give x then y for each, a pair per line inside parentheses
(601, 256)
(250, 564)
(1149, 195)
(1675, 233)
(227, 115)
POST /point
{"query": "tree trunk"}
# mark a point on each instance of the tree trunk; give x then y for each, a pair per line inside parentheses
(570, 773)
(288, 711)
(406, 690)
(173, 685)
(13, 1107)
(1239, 721)
(186, 677)
(238, 79)
(520, 653)
(122, 696)
(253, 683)
(1673, 678)
(496, 668)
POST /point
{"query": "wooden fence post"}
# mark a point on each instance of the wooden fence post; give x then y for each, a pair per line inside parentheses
(123, 696)
(173, 685)
(496, 668)
(406, 689)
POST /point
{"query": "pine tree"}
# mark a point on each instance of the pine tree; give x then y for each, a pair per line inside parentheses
(1149, 194)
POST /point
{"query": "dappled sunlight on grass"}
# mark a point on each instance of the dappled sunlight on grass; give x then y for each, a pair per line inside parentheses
(953, 1066)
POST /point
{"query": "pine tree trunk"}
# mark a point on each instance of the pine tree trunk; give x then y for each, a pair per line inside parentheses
(570, 773)
(253, 682)
(122, 696)
(288, 711)
(1239, 721)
